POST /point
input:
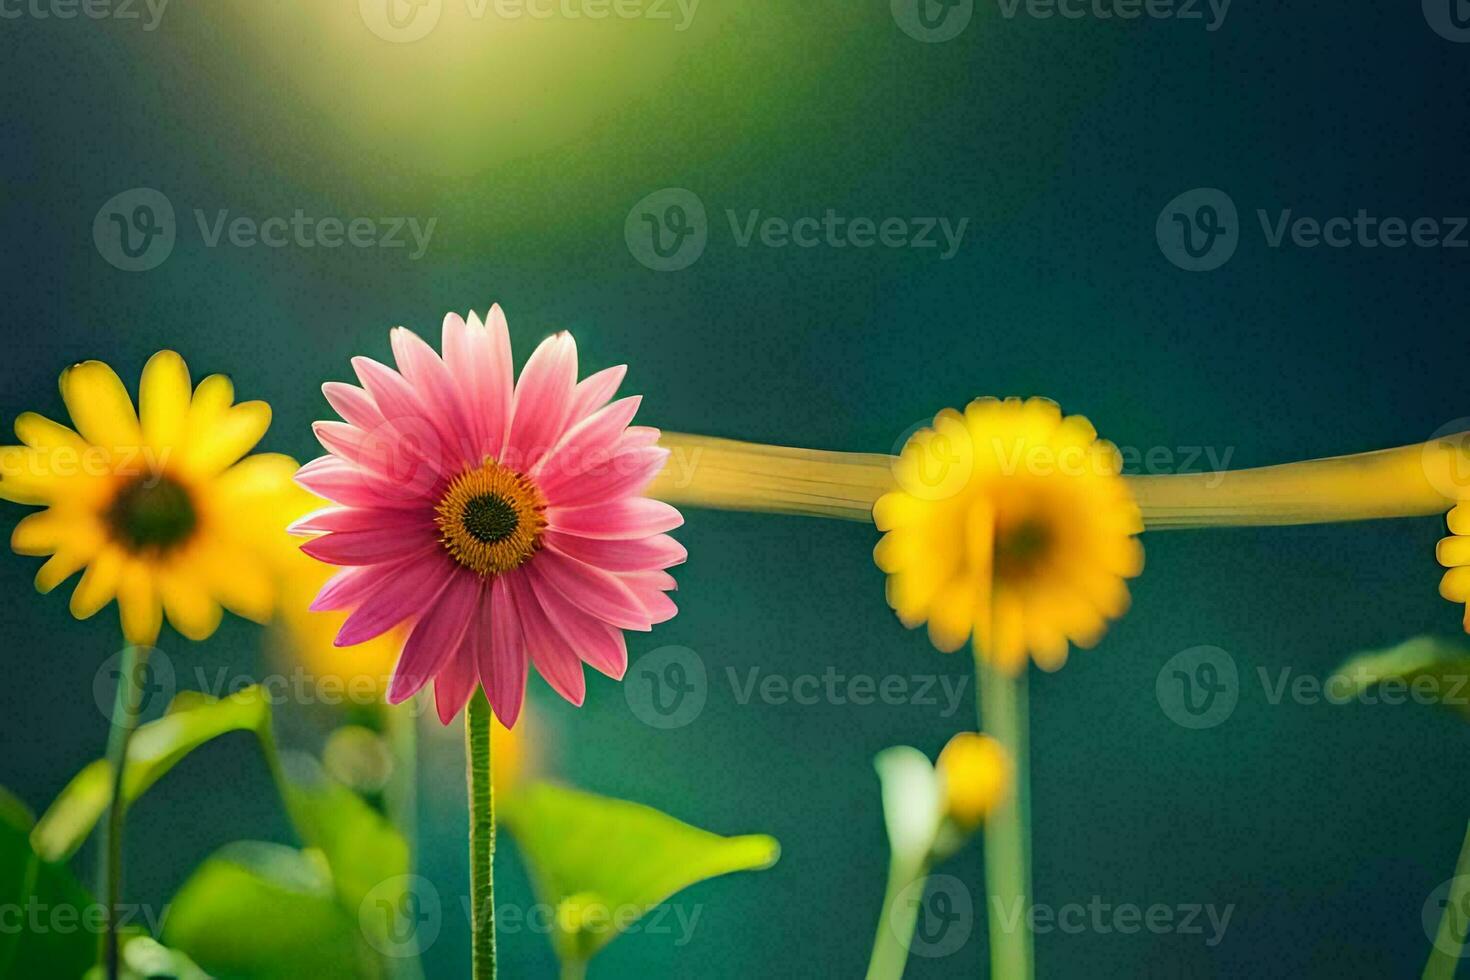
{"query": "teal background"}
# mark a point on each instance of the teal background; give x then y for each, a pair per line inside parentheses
(1326, 827)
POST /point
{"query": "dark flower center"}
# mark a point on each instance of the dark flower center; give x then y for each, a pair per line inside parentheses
(152, 513)
(490, 518)
(1019, 549)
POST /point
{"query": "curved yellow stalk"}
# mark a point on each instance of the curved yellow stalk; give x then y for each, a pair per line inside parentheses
(1410, 481)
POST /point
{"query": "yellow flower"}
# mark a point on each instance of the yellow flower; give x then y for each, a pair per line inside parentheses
(975, 774)
(155, 507)
(1010, 525)
(1454, 554)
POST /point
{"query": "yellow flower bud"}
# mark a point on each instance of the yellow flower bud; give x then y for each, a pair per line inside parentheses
(976, 773)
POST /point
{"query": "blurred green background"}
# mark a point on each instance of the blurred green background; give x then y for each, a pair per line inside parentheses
(529, 140)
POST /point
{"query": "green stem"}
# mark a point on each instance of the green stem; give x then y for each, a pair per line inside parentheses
(573, 969)
(482, 835)
(1449, 939)
(896, 923)
(126, 706)
(1007, 831)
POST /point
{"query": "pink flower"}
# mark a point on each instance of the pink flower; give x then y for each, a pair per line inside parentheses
(503, 520)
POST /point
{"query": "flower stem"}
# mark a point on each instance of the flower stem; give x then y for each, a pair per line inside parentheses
(1007, 831)
(895, 924)
(482, 835)
(573, 969)
(126, 706)
(1449, 938)
(1409, 481)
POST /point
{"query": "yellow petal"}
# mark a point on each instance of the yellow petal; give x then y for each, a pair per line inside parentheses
(51, 530)
(60, 567)
(1459, 519)
(187, 602)
(138, 604)
(39, 432)
(99, 584)
(164, 394)
(100, 406)
(1453, 551)
(238, 579)
(214, 395)
(234, 433)
(952, 616)
(1455, 586)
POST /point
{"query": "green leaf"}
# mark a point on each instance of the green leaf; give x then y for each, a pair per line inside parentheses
(602, 863)
(145, 959)
(156, 747)
(363, 851)
(51, 923)
(1425, 669)
(258, 911)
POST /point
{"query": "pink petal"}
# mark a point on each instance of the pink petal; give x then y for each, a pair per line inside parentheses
(389, 606)
(619, 554)
(599, 644)
(626, 475)
(501, 652)
(585, 446)
(601, 594)
(595, 391)
(438, 636)
(649, 587)
(435, 388)
(453, 686)
(350, 484)
(400, 458)
(353, 586)
(554, 659)
(353, 404)
(543, 401)
(631, 517)
(488, 380)
(354, 519)
(388, 542)
(639, 435)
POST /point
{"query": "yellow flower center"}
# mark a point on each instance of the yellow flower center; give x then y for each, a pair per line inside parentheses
(151, 513)
(491, 518)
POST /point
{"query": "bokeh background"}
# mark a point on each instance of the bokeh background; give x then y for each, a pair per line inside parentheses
(528, 140)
